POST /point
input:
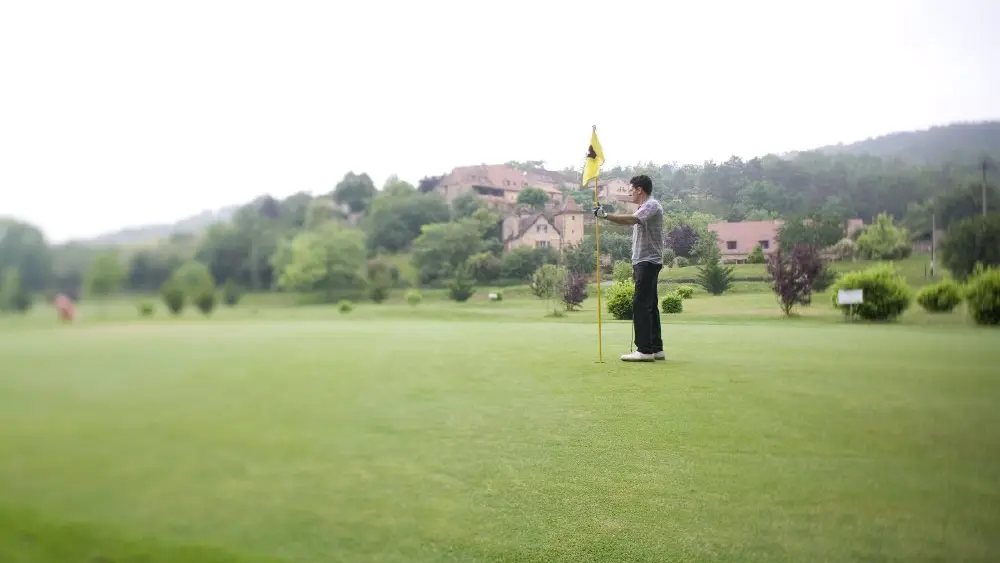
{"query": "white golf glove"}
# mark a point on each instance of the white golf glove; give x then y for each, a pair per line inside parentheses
(599, 211)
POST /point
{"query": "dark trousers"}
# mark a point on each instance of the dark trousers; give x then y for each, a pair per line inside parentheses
(645, 310)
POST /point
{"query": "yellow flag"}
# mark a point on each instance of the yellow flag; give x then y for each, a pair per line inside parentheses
(595, 158)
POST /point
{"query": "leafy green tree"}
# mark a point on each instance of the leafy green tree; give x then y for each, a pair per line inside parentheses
(23, 246)
(883, 240)
(465, 205)
(548, 283)
(319, 211)
(329, 258)
(193, 278)
(817, 230)
(532, 197)
(394, 187)
(441, 248)
(106, 275)
(395, 220)
(462, 286)
(14, 295)
(969, 242)
(356, 191)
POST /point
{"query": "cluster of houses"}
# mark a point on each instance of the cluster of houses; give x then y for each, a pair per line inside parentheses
(561, 223)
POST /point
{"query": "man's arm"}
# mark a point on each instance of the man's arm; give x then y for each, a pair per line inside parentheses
(621, 218)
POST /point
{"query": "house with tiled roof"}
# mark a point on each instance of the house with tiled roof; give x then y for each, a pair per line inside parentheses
(558, 226)
(498, 184)
(738, 239)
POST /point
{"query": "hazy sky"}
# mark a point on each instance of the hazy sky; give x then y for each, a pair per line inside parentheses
(115, 114)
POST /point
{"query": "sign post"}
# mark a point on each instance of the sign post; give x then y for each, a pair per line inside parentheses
(850, 297)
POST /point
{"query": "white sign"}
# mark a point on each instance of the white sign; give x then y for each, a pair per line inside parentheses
(493, 297)
(850, 297)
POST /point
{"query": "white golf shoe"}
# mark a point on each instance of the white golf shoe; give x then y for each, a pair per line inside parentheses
(638, 356)
(660, 355)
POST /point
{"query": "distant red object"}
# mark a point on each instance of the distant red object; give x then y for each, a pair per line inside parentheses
(67, 311)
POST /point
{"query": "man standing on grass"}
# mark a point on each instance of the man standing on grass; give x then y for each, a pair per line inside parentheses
(647, 261)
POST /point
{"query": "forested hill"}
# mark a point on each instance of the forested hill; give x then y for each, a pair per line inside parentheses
(929, 146)
(959, 147)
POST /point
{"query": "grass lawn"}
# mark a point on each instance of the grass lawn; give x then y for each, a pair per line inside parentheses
(485, 432)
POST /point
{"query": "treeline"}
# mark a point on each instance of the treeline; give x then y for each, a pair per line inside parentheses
(360, 240)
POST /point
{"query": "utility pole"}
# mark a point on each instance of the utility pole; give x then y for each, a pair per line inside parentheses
(933, 240)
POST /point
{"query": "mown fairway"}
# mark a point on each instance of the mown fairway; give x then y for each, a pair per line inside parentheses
(484, 432)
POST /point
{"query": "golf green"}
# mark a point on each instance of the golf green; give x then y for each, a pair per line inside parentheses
(403, 439)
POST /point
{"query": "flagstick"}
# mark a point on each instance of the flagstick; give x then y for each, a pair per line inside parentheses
(597, 241)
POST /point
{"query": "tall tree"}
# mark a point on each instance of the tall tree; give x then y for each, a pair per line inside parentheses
(356, 191)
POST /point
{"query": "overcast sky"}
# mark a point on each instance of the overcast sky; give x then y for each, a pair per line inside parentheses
(116, 114)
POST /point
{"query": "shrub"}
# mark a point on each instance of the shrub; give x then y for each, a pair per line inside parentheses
(672, 303)
(883, 240)
(574, 291)
(885, 293)
(824, 279)
(174, 297)
(619, 298)
(941, 297)
(499, 295)
(345, 306)
(756, 255)
(145, 308)
(668, 257)
(231, 293)
(413, 297)
(715, 278)
(14, 295)
(685, 292)
(379, 280)
(970, 242)
(983, 296)
(205, 300)
(681, 262)
(845, 249)
(622, 271)
(486, 267)
(462, 286)
(793, 273)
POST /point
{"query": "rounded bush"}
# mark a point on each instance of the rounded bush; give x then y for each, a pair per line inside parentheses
(205, 300)
(231, 293)
(672, 303)
(682, 262)
(983, 297)
(685, 292)
(145, 308)
(499, 295)
(622, 271)
(885, 293)
(619, 297)
(174, 297)
(345, 306)
(941, 297)
(413, 297)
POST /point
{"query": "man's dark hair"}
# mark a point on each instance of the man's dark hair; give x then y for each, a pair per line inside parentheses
(643, 182)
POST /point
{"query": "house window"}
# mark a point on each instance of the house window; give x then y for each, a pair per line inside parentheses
(542, 244)
(764, 244)
(730, 245)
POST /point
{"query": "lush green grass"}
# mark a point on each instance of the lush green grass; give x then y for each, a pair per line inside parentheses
(485, 432)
